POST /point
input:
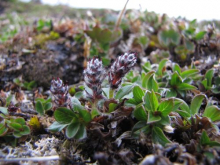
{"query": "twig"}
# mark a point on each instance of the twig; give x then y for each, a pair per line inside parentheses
(120, 16)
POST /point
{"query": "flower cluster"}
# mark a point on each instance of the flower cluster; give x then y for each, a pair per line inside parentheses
(60, 92)
(94, 75)
(120, 67)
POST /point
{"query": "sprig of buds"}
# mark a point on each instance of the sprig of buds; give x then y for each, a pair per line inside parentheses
(94, 75)
(120, 67)
(60, 93)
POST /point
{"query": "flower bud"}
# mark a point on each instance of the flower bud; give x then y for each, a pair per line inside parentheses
(120, 67)
(94, 75)
(60, 92)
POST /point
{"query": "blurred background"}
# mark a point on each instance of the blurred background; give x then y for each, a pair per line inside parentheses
(196, 9)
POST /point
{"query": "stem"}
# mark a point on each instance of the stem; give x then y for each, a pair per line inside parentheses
(111, 93)
(94, 105)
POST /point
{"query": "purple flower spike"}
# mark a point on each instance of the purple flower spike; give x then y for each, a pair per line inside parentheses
(120, 67)
(60, 92)
(94, 75)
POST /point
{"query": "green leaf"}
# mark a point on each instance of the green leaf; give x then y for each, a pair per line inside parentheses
(20, 121)
(76, 104)
(161, 66)
(185, 87)
(159, 137)
(138, 93)
(48, 100)
(176, 68)
(56, 127)
(39, 108)
(165, 120)
(168, 37)
(25, 130)
(17, 134)
(116, 34)
(85, 115)
(196, 104)
(146, 67)
(41, 100)
(205, 84)
(8, 100)
(112, 107)
(103, 36)
(188, 73)
(200, 35)
(140, 113)
(48, 106)
(183, 113)
(64, 115)
(81, 134)
(206, 141)
(2, 125)
(189, 45)
(123, 91)
(3, 131)
(171, 93)
(150, 101)
(204, 138)
(152, 84)
(15, 126)
(139, 127)
(176, 80)
(131, 102)
(72, 130)
(4, 110)
(144, 41)
(212, 112)
(209, 75)
(94, 113)
(153, 118)
(166, 107)
(145, 78)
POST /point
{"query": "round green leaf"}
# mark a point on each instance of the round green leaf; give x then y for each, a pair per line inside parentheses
(72, 129)
(64, 115)
(20, 121)
(15, 126)
(39, 107)
(81, 134)
(26, 130)
(57, 127)
(48, 106)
